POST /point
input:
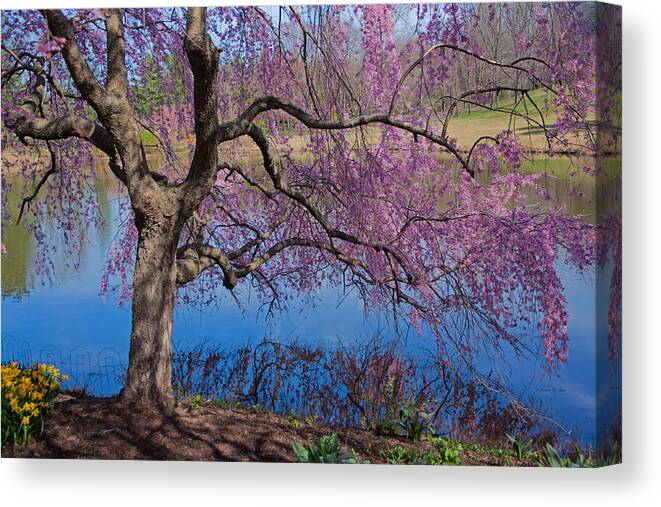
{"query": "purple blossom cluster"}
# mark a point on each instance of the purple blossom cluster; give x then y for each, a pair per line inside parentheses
(419, 232)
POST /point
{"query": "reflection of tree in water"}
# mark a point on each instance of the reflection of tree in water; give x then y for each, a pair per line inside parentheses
(18, 256)
(568, 185)
(18, 246)
(17, 279)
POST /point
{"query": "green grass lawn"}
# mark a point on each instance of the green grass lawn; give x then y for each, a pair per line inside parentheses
(148, 138)
(468, 126)
(525, 106)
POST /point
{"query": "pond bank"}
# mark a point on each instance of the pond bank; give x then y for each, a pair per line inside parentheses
(94, 428)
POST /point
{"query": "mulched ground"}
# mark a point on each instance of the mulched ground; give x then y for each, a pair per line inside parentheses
(96, 428)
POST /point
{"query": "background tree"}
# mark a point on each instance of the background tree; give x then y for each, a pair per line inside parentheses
(321, 153)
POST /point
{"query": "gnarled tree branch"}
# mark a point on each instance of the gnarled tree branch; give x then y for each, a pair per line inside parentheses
(83, 77)
(203, 58)
(243, 124)
(28, 199)
(65, 127)
(117, 80)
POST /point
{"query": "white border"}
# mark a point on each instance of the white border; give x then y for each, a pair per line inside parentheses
(636, 482)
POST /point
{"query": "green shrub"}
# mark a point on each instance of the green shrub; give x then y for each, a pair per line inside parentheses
(519, 446)
(504, 456)
(580, 459)
(552, 458)
(415, 423)
(325, 450)
(612, 457)
(296, 422)
(450, 450)
(398, 455)
(444, 455)
(196, 402)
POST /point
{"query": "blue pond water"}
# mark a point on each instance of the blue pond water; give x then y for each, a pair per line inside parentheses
(67, 323)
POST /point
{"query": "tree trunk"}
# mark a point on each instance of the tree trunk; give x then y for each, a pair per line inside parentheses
(149, 375)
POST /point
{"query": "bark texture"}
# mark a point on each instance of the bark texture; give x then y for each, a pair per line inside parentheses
(149, 374)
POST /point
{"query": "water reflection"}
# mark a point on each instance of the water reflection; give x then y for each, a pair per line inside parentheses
(19, 246)
(76, 327)
(17, 275)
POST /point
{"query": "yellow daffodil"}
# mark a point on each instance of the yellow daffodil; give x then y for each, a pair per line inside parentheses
(29, 393)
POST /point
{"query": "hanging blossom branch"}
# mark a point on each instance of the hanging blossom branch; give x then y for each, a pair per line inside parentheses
(193, 259)
(486, 246)
(243, 124)
(198, 258)
(28, 199)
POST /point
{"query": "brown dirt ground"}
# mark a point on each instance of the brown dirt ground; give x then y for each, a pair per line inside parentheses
(97, 428)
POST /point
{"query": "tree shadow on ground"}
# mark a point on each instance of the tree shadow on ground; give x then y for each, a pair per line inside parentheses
(101, 428)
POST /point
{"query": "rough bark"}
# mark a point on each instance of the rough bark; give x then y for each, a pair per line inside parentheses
(149, 375)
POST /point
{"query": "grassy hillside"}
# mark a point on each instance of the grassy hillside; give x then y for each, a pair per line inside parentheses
(468, 126)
